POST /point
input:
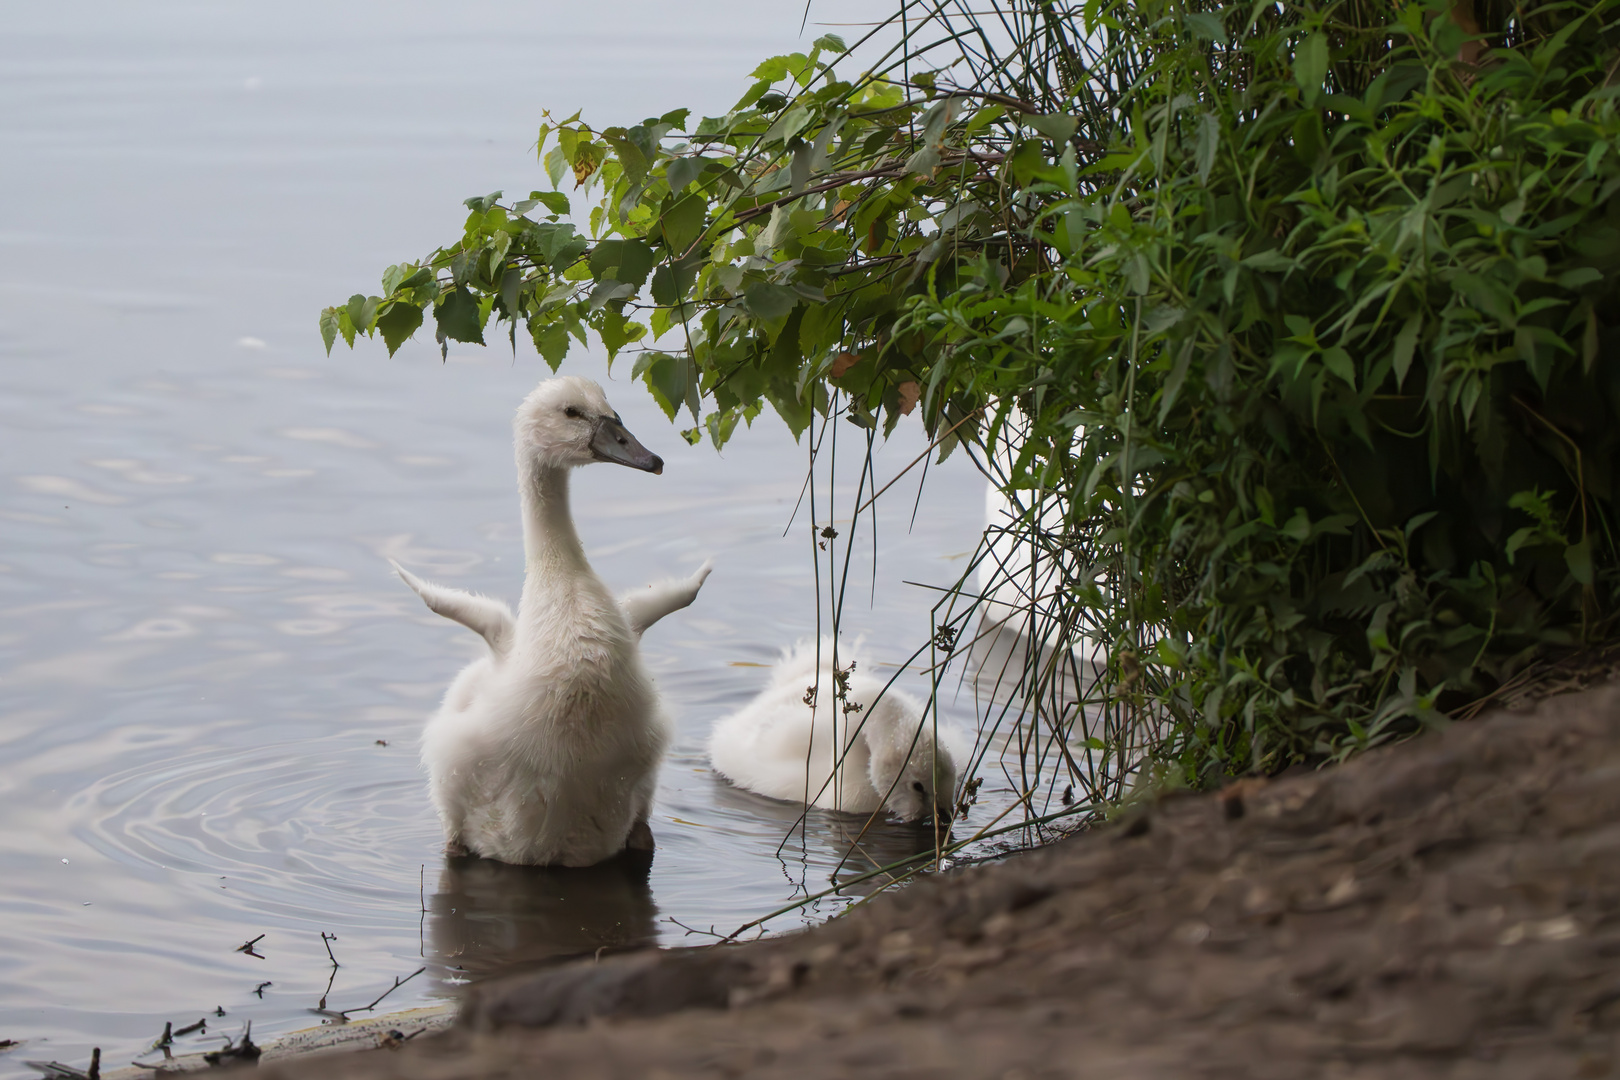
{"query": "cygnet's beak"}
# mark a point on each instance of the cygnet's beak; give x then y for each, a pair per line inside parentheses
(610, 442)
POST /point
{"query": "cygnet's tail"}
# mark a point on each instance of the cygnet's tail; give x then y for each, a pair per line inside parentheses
(799, 662)
(489, 619)
(646, 606)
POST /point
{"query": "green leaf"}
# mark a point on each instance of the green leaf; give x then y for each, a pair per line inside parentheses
(682, 223)
(629, 261)
(550, 340)
(772, 69)
(555, 201)
(1405, 345)
(923, 162)
(556, 166)
(616, 332)
(1272, 261)
(1298, 526)
(511, 292)
(1417, 522)
(1519, 539)
(1059, 127)
(769, 301)
(1310, 65)
(830, 43)
(1338, 361)
(557, 244)
(1487, 296)
(1394, 84)
(669, 378)
(681, 171)
(457, 317)
(608, 290)
(625, 148)
(329, 328)
(1206, 25)
(1578, 557)
(1209, 140)
(664, 288)
(1574, 279)
(398, 323)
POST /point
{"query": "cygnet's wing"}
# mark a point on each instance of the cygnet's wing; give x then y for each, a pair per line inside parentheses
(647, 606)
(489, 619)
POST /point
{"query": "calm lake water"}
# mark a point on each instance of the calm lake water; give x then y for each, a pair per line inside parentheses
(210, 684)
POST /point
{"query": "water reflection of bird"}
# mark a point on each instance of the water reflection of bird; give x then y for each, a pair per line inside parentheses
(788, 741)
(545, 752)
(489, 915)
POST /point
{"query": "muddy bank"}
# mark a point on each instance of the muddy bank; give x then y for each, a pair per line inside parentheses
(1449, 907)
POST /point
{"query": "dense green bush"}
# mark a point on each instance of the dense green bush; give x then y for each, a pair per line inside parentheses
(1289, 331)
(1339, 347)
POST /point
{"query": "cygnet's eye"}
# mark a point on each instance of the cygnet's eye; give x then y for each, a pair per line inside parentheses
(571, 412)
(916, 785)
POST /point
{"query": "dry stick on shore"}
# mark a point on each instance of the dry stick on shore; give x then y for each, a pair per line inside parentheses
(55, 1070)
(247, 947)
(245, 1050)
(164, 1041)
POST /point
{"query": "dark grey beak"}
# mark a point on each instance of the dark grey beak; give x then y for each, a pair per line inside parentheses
(610, 442)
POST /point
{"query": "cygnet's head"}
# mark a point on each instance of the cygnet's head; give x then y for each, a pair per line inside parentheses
(907, 763)
(567, 421)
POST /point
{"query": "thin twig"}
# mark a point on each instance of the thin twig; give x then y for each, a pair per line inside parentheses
(398, 982)
(920, 457)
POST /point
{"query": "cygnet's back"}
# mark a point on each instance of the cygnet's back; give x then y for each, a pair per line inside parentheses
(783, 746)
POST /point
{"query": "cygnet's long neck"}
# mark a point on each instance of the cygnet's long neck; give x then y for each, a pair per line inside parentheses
(552, 552)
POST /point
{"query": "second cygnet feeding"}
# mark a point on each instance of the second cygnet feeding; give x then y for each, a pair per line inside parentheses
(782, 743)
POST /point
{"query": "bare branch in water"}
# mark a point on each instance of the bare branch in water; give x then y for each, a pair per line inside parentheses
(343, 1014)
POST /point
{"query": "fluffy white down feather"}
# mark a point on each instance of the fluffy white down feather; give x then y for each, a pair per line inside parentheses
(546, 751)
(778, 745)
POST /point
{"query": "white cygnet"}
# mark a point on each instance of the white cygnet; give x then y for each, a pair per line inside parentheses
(546, 751)
(782, 743)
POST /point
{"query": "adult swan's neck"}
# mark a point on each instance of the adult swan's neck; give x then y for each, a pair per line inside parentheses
(552, 553)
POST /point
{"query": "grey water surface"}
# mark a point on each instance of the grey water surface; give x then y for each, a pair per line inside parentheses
(210, 684)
